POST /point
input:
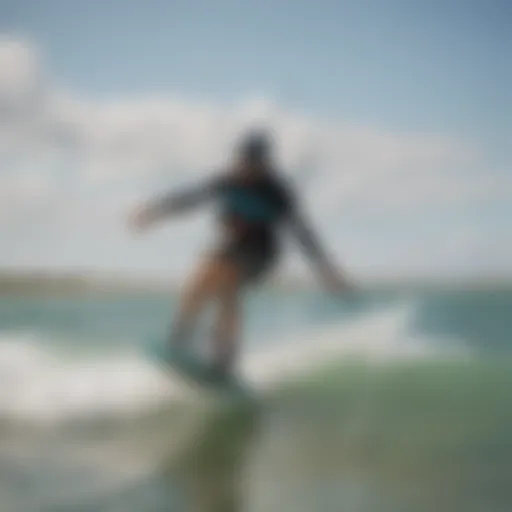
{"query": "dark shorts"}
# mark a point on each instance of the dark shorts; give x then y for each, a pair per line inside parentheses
(253, 258)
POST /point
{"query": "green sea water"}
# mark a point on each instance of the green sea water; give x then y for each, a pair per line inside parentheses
(394, 403)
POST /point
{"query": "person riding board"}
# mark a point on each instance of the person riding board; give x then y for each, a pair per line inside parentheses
(256, 203)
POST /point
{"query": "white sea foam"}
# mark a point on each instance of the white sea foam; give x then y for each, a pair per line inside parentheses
(384, 335)
(38, 383)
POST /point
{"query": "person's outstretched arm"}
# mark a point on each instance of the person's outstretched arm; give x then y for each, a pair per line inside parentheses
(170, 204)
(308, 240)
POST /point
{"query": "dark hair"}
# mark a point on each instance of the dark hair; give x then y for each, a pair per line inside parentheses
(256, 145)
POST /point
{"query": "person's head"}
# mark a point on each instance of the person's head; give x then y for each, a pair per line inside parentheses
(255, 150)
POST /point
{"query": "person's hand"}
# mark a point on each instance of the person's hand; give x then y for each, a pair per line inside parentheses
(336, 283)
(140, 219)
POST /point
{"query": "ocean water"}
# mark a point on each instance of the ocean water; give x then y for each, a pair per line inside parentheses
(390, 401)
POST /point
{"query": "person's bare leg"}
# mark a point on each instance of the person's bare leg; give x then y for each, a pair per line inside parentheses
(227, 332)
(228, 320)
(196, 294)
(217, 279)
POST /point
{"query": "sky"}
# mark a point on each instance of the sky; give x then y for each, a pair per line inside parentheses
(393, 121)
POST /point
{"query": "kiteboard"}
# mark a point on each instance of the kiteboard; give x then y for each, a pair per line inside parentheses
(200, 374)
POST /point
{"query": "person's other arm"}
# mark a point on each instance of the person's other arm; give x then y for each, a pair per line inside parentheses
(311, 246)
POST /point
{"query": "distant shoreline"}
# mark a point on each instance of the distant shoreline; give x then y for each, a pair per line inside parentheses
(52, 284)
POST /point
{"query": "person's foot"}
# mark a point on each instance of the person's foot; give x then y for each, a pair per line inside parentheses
(177, 355)
(177, 340)
(219, 374)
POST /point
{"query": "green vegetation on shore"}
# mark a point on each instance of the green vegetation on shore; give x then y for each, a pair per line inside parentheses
(55, 284)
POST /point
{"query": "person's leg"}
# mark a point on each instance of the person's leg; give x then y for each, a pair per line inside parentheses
(239, 270)
(198, 291)
(222, 278)
(226, 336)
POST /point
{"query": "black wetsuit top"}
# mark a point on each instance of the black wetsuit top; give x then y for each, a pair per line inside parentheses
(252, 207)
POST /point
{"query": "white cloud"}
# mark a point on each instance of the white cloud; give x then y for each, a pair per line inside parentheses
(21, 77)
(86, 158)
